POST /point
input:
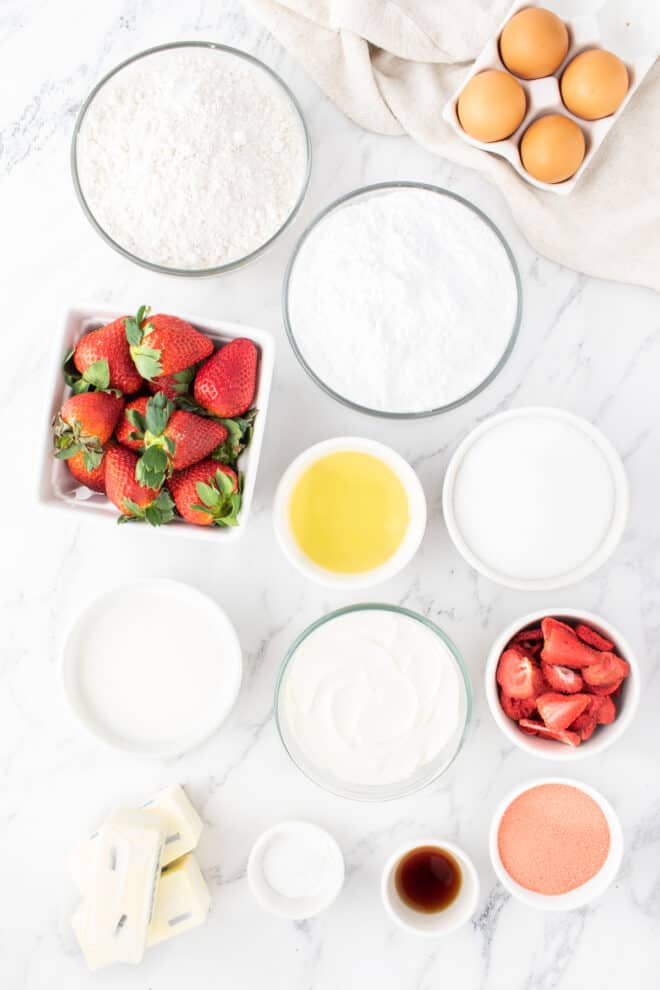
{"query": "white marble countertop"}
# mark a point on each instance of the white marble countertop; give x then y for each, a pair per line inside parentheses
(588, 346)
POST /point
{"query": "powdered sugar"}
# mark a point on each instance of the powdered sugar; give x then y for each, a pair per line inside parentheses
(191, 157)
(402, 300)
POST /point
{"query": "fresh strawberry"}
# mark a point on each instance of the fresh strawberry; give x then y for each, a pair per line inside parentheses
(207, 494)
(562, 678)
(164, 345)
(104, 360)
(94, 479)
(559, 710)
(562, 646)
(84, 425)
(593, 638)
(518, 675)
(133, 500)
(609, 669)
(173, 386)
(604, 690)
(539, 729)
(226, 383)
(168, 438)
(517, 708)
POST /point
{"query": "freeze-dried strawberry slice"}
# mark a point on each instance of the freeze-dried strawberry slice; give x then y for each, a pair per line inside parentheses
(593, 638)
(606, 690)
(609, 669)
(518, 675)
(562, 678)
(562, 646)
(517, 708)
(528, 635)
(539, 729)
(585, 725)
(602, 708)
(559, 710)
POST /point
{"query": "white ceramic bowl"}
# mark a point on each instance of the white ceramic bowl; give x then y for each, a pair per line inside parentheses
(587, 891)
(58, 489)
(440, 922)
(416, 503)
(296, 909)
(202, 710)
(485, 551)
(605, 735)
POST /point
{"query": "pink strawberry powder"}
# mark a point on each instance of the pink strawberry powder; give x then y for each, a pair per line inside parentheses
(553, 838)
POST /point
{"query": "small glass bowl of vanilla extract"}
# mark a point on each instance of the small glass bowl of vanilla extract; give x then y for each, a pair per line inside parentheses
(430, 887)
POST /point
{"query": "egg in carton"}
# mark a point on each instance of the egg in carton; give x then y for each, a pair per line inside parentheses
(543, 96)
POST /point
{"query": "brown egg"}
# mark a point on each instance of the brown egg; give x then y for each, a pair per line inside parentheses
(491, 106)
(594, 84)
(552, 148)
(534, 43)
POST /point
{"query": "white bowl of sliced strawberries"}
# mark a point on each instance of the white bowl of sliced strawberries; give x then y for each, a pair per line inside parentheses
(562, 684)
(157, 419)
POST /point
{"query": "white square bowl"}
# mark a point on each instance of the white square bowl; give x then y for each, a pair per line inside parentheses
(58, 489)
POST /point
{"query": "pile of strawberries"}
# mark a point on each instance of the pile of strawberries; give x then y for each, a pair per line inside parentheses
(560, 682)
(158, 419)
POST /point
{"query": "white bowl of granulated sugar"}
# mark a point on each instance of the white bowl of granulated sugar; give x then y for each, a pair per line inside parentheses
(190, 158)
(402, 300)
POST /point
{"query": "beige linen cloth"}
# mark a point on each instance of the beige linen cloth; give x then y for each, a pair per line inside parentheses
(391, 66)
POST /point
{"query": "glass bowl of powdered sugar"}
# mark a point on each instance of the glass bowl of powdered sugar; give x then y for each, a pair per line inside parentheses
(190, 158)
(402, 300)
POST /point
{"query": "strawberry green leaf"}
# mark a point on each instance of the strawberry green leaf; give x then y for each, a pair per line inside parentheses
(133, 511)
(159, 410)
(97, 374)
(207, 494)
(136, 419)
(65, 453)
(92, 457)
(147, 361)
(152, 467)
(133, 325)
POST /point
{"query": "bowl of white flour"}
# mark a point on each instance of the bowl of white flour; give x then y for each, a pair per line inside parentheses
(190, 158)
(402, 300)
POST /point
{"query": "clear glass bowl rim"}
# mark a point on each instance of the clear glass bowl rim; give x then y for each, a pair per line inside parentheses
(367, 190)
(387, 792)
(189, 272)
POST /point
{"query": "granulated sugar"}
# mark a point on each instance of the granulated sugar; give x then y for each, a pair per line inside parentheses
(553, 838)
(191, 158)
(402, 301)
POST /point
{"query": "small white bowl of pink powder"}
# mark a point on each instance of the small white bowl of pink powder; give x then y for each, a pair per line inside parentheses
(555, 844)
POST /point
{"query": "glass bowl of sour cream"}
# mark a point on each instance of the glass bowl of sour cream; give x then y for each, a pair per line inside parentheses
(373, 702)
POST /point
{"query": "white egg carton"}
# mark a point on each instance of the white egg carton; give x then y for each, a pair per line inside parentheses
(58, 489)
(544, 96)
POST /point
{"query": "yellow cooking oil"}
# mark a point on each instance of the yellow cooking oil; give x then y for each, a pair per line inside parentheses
(349, 512)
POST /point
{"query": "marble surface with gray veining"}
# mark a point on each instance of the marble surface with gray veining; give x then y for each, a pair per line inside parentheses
(589, 346)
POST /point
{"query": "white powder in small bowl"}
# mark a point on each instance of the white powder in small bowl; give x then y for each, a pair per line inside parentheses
(402, 300)
(191, 157)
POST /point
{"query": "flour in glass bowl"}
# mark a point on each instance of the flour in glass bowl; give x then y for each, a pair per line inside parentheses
(402, 300)
(191, 157)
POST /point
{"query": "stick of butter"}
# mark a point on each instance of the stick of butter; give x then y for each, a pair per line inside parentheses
(183, 827)
(182, 900)
(113, 921)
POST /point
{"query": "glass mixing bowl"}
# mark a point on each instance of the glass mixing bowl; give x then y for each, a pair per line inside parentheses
(190, 272)
(378, 792)
(375, 190)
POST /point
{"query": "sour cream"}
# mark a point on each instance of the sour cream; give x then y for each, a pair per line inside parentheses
(371, 696)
